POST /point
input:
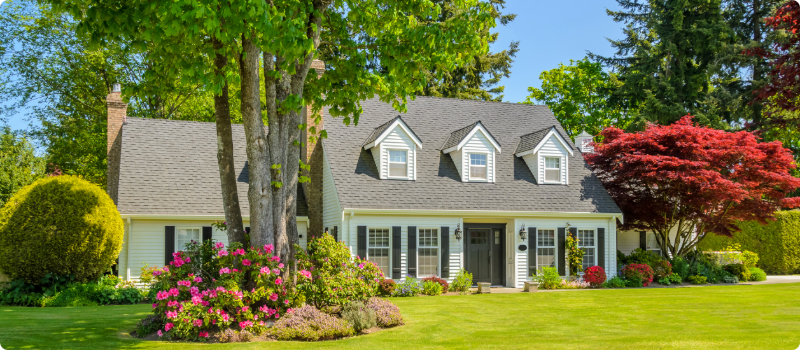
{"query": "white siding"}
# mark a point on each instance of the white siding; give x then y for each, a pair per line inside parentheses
(331, 207)
(397, 139)
(302, 231)
(458, 161)
(629, 240)
(533, 164)
(552, 148)
(478, 143)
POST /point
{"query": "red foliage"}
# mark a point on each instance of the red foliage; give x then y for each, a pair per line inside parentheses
(783, 88)
(710, 179)
(595, 275)
(445, 285)
(641, 271)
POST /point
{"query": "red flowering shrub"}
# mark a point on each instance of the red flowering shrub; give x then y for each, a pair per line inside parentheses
(203, 290)
(662, 269)
(386, 287)
(445, 285)
(642, 272)
(336, 278)
(595, 275)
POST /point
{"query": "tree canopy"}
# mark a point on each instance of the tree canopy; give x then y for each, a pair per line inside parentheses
(693, 179)
(19, 164)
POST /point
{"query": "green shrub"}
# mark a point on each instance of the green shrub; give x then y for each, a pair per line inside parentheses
(739, 271)
(639, 256)
(681, 267)
(147, 326)
(443, 283)
(409, 288)
(462, 282)
(61, 225)
(614, 282)
(548, 278)
(634, 282)
(661, 269)
(673, 278)
(697, 279)
(308, 323)
(386, 287)
(431, 288)
(359, 315)
(777, 243)
(757, 275)
(337, 278)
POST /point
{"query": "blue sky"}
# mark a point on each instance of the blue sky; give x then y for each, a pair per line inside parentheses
(549, 31)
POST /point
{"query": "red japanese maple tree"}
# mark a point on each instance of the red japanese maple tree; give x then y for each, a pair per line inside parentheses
(783, 87)
(693, 180)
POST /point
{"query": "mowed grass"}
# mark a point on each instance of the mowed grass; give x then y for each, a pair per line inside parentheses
(723, 317)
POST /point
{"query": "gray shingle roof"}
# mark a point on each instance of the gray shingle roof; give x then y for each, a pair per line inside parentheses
(457, 136)
(382, 128)
(169, 167)
(438, 185)
(530, 141)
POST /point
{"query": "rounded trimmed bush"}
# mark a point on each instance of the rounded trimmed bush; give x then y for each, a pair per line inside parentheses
(62, 225)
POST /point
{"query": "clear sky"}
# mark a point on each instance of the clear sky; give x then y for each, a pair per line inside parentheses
(549, 31)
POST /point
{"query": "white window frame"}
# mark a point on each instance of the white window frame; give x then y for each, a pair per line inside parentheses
(594, 246)
(389, 162)
(485, 166)
(199, 229)
(438, 250)
(388, 272)
(554, 246)
(545, 168)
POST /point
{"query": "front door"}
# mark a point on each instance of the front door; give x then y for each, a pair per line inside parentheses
(485, 254)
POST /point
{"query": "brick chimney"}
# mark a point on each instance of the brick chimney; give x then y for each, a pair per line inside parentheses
(312, 155)
(117, 117)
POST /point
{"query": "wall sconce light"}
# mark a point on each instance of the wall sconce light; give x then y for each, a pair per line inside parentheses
(522, 233)
(457, 232)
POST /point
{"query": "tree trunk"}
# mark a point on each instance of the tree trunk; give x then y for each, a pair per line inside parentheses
(258, 156)
(279, 146)
(227, 170)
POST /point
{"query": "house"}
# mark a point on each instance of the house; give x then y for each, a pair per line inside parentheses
(486, 186)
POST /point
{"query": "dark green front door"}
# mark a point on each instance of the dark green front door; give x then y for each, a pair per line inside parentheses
(485, 254)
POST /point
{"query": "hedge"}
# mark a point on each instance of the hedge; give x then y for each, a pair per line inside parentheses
(777, 243)
(62, 225)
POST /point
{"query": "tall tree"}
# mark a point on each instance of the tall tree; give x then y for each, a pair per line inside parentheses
(19, 164)
(664, 63)
(693, 180)
(289, 34)
(578, 96)
(479, 78)
(783, 87)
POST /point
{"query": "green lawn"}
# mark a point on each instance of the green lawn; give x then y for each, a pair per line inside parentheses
(725, 317)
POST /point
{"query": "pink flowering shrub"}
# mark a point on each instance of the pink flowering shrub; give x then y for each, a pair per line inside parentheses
(203, 289)
(336, 278)
(308, 323)
(638, 272)
(595, 275)
(387, 314)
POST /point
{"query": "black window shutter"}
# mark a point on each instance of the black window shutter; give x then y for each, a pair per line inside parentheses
(396, 234)
(643, 240)
(445, 252)
(336, 233)
(532, 251)
(561, 257)
(601, 247)
(207, 233)
(169, 243)
(412, 251)
(362, 242)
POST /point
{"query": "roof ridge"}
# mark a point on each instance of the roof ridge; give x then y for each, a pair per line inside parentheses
(490, 102)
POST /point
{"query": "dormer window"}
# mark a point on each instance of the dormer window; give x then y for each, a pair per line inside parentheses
(546, 152)
(477, 166)
(552, 169)
(473, 150)
(398, 163)
(394, 147)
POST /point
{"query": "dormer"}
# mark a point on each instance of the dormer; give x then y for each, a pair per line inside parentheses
(473, 150)
(546, 153)
(584, 141)
(394, 147)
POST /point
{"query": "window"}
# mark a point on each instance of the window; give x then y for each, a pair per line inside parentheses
(378, 252)
(586, 241)
(546, 248)
(398, 164)
(184, 236)
(428, 252)
(477, 166)
(552, 169)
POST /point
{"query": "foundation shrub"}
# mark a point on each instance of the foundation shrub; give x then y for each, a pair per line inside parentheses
(231, 336)
(387, 314)
(548, 278)
(359, 315)
(595, 276)
(308, 323)
(640, 272)
(662, 269)
(462, 282)
(386, 287)
(739, 271)
(614, 282)
(442, 282)
(757, 275)
(147, 326)
(697, 279)
(336, 278)
(59, 225)
(431, 288)
(639, 256)
(409, 288)
(673, 278)
(681, 267)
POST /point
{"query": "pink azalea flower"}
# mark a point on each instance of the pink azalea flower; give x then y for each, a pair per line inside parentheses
(276, 271)
(222, 253)
(246, 262)
(198, 280)
(184, 283)
(155, 305)
(305, 273)
(172, 314)
(245, 324)
(168, 326)
(286, 301)
(225, 318)
(174, 292)
(172, 303)
(269, 248)
(203, 334)
(273, 297)
(156, 273)
(280, 265)
(159, 333)
(224, 270)
(265, 270)
(219, 245)
(361, 265)
(289, 310)
(197, 323)
(204, 303)
(278, 281)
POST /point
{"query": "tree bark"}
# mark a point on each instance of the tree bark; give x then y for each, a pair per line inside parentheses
(258, 156)
(227, 170)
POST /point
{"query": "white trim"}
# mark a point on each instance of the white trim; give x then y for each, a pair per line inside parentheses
(554, 246)
(128, 250)
(438, 249)
(199, 238)
(396, 123)
(485, 166)
(545, 168)
(478, 127)
(389, 248)
(478, 213)
(189, 217)
(389, 164)
(595, 246)
(546, 137)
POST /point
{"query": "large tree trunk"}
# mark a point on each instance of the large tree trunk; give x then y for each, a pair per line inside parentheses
(227, 170)
(258, 156)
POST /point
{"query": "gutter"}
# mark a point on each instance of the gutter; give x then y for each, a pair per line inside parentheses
(477, 213)
(188, 217)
